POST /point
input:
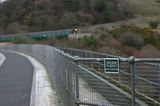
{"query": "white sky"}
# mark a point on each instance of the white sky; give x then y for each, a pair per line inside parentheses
(2, 0)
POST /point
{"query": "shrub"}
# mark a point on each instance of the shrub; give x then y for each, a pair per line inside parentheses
(88, 41)
(158, 44)
(150, 51)
(22, 40)
(132, 39)
(150, 39)
(61, 37)
(105, 36)
(113, 43)
(130, 51)
(16, 27)
(153, 24)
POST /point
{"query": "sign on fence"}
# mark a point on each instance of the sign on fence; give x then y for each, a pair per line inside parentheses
(111, 65)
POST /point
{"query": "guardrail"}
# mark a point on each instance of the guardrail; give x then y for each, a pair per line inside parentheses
(38, 35)
(81, 79)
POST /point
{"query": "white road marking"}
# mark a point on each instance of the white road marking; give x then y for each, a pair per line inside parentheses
(2, 59)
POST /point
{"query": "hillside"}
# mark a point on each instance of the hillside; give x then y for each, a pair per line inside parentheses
(145, 8)
(38, 15)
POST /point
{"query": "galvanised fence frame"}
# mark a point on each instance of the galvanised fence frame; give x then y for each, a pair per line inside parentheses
(143, 75)
(80, 78)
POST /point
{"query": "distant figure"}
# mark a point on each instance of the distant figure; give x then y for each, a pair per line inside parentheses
(75, 31)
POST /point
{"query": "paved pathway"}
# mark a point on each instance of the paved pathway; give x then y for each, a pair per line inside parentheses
(16, 74)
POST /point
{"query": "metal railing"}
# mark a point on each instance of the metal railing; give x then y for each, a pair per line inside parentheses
(139, 77)
(38, 35)
(81, 80)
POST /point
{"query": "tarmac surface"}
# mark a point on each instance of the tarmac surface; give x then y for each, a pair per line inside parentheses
(16, 75)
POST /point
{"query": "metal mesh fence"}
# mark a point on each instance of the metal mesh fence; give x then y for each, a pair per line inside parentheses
(148, 82)
(147, 79)
(61, 69)
(81, 79)
(101, 89)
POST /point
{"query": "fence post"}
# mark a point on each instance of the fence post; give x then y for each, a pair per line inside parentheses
(132, 64)
(77, 84)
(158, 80)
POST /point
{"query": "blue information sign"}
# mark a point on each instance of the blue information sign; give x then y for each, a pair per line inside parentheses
(111, 65)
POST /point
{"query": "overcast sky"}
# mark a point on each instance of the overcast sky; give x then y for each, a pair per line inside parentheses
(2, 0)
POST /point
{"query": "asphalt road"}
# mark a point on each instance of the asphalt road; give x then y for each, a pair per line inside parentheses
(16, 76)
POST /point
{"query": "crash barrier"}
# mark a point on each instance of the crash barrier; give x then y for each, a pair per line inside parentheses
(58, 34)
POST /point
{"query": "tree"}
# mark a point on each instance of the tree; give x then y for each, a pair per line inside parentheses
(15, 27)
(3, 21)
(100, 6)
(102, 11)
(40, 15)
(124, 10)
(71, 5)
(85, 18)
(1, 30)
(68, 20)
(86, 6)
